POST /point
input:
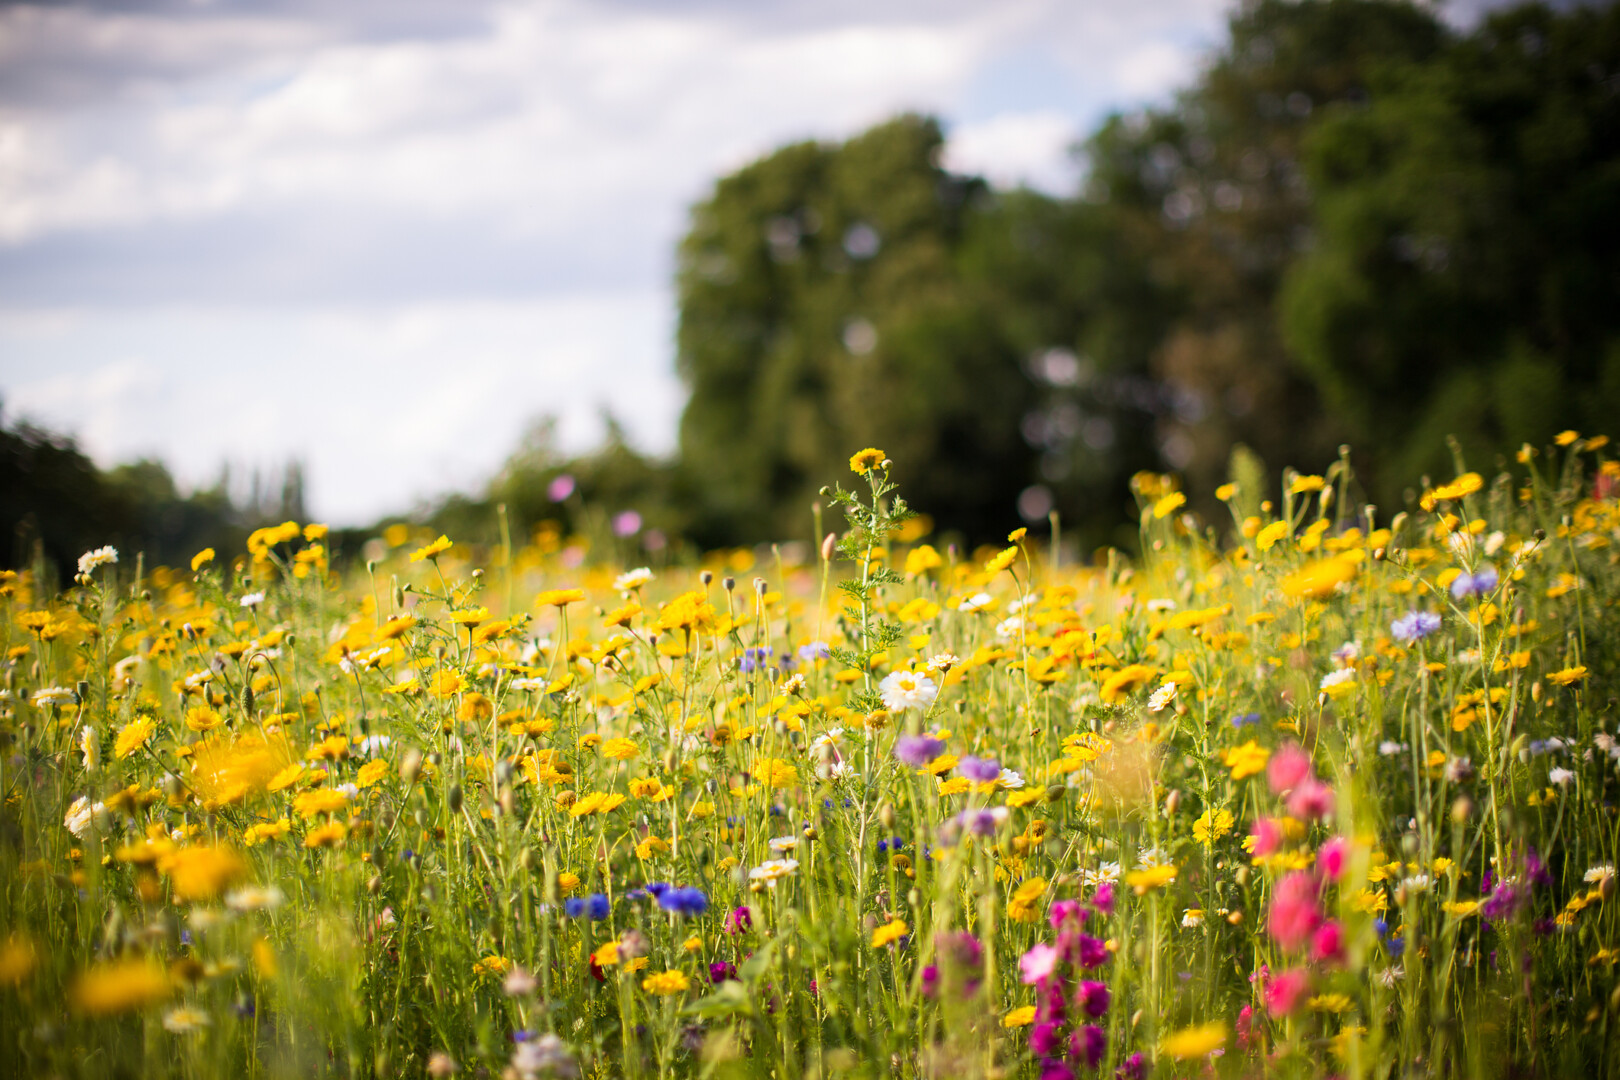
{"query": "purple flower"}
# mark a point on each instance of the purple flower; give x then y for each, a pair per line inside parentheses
(982, 822)
(1415, 625)
(918, 750)
(739, 920)
(721, 970)
(816, 650)
(979, 770)
(1063, 910)
(930, 981)
(560, 488)
(1093, 953)
(1046, 1040)
(627, 523)
(1503, 903)
(1103, 899)
(753, 659)
(1092, 998)
(1089, 1044)
(1476, 584)
(1135, 1068)
(1053, 1069)
(684, 901)
(1243, 720)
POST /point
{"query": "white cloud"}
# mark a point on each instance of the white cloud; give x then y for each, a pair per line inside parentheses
(1010, 149)
(381, 236)
(384, 407)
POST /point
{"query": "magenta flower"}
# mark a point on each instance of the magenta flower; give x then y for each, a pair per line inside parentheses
(1289, 767)
(1327, 943)
(1089, 1044)
(739, 920)
(1295, 913)
(1092, 998)
(1046, 1040)
(1312, 799)
(1286, 991)
(1331, 858)
(1103, 899)
(1037, 963)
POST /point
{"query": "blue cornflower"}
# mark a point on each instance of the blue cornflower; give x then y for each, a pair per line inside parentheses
(574, 907)
(1476, 584)
(595, 905)
(1414, 626)
(1243, 720)
(686, 900)
(659, 888)
(754, 659)
(979, 770)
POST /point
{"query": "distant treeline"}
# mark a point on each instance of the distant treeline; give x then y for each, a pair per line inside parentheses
(1357, 226)
(55, 504)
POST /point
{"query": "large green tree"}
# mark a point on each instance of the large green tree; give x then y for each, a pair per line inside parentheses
(823, 307)
(1465, 275)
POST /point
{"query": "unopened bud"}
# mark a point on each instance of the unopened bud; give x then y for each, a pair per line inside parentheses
(1462, 809)
(707, 577)
(886, 815)
(728, 583)
(453, 798)
(410, 767)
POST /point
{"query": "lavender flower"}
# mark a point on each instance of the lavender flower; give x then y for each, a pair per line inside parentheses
(918, 750)
(1414, 626)
(1476, 584)
(979, 770)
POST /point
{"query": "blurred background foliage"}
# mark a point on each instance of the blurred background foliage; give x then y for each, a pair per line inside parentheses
(1356, 226)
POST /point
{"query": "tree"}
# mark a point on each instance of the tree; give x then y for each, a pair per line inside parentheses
(824, 308)
(1466, 274)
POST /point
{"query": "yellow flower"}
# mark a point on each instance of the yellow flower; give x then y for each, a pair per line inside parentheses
(559, 598)
(1169, 504)
(1122, 682)
(867, 460)
(1569, 676)
(665, 982)
(18, 958)
(1564, 438)
(328, 835)
(889, 933)
(202, 873)
(1212, 825)
(269, 830)
(693, 944)
(433, 550)
(607, 954)
(1267, 537)
(775, 773)
(567, 882)
(1318, 579)
(121, 986)
(132, 736)
(1245, 760)
(1021, 905)
(286, 778)
(320, 801)
(371, 773)
(921, 559)
(1225, 492)
(620, 749)
(1145, 881)
(1001, 561)
(1023, 1016)
(651, 846)
(1194, 1042)
(202, 718)
(492, 965)
(202, 558)
(1304, 485)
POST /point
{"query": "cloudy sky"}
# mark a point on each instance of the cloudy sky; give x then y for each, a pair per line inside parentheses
(385, 235)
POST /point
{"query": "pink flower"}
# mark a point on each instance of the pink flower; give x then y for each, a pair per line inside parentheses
(1046, 1040)
(1294, 911)
(1331, 858)
(1327, 943)
(1268, 837)
(1312, 799)
(1038, 963)
(1066, 909)
(1245, 1025)
(1286, 991)
(1288, 768)
(1103, 899)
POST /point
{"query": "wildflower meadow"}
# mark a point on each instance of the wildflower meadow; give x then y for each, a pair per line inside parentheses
(1318, 789)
